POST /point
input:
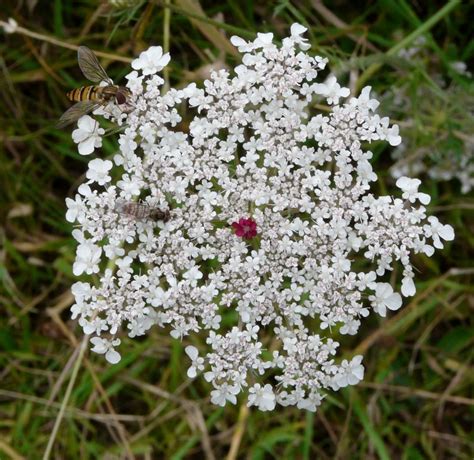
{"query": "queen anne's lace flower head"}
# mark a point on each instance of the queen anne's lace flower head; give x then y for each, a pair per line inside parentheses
(272, 224)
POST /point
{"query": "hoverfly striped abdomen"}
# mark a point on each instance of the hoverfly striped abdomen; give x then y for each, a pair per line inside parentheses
(142, 211)
(86, 93)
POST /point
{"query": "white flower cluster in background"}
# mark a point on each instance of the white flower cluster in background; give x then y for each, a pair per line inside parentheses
(272, 225)
(452, 166)
(442, 107)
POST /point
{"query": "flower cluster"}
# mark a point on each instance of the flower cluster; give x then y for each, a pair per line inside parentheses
(438, 118)
(272, 224)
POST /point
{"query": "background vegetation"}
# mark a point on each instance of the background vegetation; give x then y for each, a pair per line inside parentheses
(416, 401)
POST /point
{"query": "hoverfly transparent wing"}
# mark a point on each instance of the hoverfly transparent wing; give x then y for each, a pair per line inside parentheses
(120, 205)
(90, 66)
(75, 112)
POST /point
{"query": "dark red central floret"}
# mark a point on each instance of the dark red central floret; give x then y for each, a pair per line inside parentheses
(245, 228)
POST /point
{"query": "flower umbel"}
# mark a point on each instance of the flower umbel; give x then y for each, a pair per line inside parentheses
(255, 147)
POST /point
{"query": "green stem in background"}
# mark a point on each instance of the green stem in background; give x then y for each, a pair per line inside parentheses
(221, 25)
(64, 44)
(166, 44)
(65, 401)
(308, 435)
(238, 432)
(427, 25)
(372, 431)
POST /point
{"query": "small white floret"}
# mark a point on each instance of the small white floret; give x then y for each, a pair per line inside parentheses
(99, 171)
(410, 190)
(87, 135)
(104, 346)
(151, 61)
(262, 397)
(385, 298)
(9, 27)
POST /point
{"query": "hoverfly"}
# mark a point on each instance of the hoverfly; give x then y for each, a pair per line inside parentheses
(141, 211)
(89, 98)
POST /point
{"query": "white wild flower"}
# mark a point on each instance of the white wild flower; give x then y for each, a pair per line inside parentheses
(384, 298)
(272, 220)
(410, 190)
(151, 61)
(262, 397)
(9, 27)
(197, 363)
(99, 171)
(107, 348)
(87, 135)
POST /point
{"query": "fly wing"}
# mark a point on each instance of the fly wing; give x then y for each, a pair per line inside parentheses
(75, 112)
(90, 66)
(120, 205)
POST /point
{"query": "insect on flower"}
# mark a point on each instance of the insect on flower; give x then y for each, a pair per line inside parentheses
(142, 211)
(89, 98)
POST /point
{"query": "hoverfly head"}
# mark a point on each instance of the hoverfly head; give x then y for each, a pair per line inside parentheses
(122, 95)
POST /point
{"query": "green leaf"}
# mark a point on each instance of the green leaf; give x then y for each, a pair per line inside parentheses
(456, 339)
(268, 441)
(372, 433)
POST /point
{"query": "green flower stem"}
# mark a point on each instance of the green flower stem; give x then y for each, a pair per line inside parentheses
(427, 25)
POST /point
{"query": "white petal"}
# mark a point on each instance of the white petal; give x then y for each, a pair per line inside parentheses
(209, 376)
(99, 345)
(87, 147)
(424, 198)
(447, 233)
(394, 302)
(79, 135)
(237, 41)
(394, 140)
(428, 250)
(408, 287)
(84, 190)
(137, 64)
(344, 92)
(89, 328)
(402, 182)
(87, 123)
(383, 290)
(112, 356)
(192, 352)
(175, 334)
(297, 29)
(78, 235)
(352, 379)
(165, 59)
(265, 38)
(78, 268)
(381, 310)
(359, 372)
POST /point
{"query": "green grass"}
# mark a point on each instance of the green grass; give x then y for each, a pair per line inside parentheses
(417, 399)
